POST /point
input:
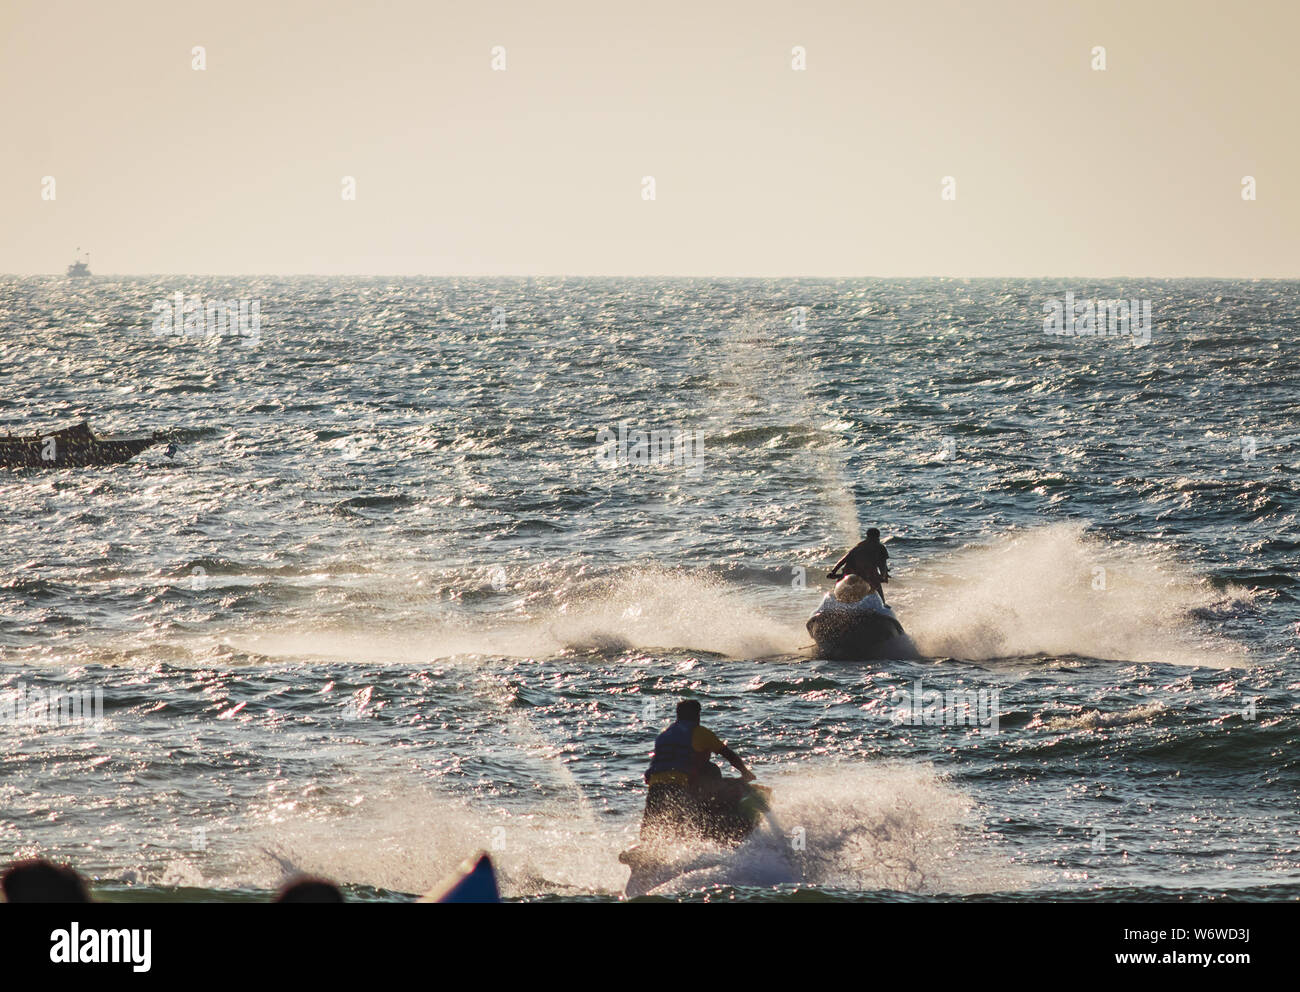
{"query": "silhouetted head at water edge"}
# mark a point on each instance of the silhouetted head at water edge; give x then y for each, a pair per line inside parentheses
(38, 880)
(304, 888)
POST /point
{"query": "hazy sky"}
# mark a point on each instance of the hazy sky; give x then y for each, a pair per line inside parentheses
(759, 169)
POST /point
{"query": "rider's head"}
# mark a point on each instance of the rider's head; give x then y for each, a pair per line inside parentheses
(851, 588)
(873, 534)
(689, 710)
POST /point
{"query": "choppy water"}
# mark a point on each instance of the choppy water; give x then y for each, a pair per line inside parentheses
(386, 607)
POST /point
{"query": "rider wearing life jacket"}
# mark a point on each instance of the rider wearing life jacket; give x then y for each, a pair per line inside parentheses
(680, 769)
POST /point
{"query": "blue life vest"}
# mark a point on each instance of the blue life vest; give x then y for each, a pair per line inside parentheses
(674, 751)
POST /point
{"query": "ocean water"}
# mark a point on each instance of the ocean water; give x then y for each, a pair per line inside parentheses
(392, 602)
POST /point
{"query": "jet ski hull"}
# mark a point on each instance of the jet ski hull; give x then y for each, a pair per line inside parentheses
(865, 636)
(720, 819)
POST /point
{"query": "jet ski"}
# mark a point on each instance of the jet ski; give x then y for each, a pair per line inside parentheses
(866, 631)
(720, 817)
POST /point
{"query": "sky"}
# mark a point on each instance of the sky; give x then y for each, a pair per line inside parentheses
(759, 169)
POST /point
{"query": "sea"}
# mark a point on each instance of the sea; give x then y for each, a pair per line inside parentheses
(423, 565)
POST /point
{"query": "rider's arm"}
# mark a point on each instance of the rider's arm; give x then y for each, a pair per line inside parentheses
(831, 574)
(707, 740)
(736, 763)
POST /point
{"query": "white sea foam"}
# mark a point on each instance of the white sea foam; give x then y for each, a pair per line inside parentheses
(860, 827)
(1056, 590)
(1053, 590)
(636, 609)
(894, 827)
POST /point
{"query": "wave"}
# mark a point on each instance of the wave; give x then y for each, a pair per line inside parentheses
(1096, 720)
(1054, 590)
(1046, 593)
(894, 827)
(641, 609)
(862, 827)
(1049, 592)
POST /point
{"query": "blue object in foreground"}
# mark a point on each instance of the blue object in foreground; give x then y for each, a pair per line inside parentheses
(471, 883)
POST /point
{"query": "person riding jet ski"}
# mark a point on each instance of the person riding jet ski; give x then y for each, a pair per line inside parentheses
(868, 559)
(687, 793)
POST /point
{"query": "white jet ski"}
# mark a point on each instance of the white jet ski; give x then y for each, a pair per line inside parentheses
(863, 631)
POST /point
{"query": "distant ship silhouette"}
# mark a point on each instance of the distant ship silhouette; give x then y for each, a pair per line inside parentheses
(78, 268)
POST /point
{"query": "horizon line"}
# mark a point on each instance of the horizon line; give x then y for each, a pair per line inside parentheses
(591, 275)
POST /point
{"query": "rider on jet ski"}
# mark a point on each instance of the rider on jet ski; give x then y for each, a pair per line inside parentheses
(868, 559)
(685, 786)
